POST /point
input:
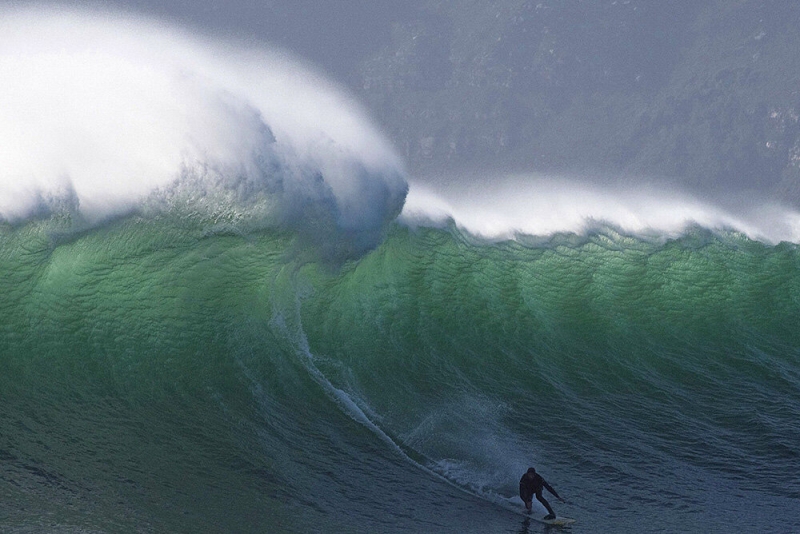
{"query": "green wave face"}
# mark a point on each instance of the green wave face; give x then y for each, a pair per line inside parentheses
(618, 354)
(157, 376)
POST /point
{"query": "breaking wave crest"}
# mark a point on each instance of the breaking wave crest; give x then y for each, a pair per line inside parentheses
(543, 206)
(107, 115)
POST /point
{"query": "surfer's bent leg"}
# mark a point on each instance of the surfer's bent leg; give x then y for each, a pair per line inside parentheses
(541, 499)
(526, 495)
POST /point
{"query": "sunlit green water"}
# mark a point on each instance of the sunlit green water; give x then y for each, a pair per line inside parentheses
(164, 376)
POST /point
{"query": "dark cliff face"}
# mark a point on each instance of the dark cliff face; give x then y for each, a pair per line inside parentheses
(706, 92)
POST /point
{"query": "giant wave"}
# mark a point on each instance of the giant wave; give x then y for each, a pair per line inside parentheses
(168, 363)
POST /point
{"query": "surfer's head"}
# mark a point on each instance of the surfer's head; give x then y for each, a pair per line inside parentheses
(531, 471)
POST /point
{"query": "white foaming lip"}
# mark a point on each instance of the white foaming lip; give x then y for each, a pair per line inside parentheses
(541, 206)
(108, 109)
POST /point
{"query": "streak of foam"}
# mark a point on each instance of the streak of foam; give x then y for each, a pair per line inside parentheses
(287, 320)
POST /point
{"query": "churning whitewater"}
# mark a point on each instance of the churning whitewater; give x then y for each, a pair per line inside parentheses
(107, 115)
(218, 314)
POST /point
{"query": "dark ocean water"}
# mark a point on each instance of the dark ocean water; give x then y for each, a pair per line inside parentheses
(169, 375)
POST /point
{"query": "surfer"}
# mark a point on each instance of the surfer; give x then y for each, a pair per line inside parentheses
(531, 484)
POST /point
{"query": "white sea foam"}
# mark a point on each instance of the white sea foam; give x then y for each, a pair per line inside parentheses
(103, 111)
(539, 206)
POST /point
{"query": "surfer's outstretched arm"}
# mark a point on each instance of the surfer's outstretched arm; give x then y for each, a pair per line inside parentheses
(549, 488)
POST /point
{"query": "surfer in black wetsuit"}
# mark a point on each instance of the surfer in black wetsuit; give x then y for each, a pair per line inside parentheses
(532, 484)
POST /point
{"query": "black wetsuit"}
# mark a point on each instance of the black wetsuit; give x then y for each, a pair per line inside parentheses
(531, 484)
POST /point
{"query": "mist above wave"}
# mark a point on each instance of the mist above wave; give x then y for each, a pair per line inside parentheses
(102, 113)
(540, 206)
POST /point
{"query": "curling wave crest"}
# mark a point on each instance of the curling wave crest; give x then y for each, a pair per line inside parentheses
(106, 114)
